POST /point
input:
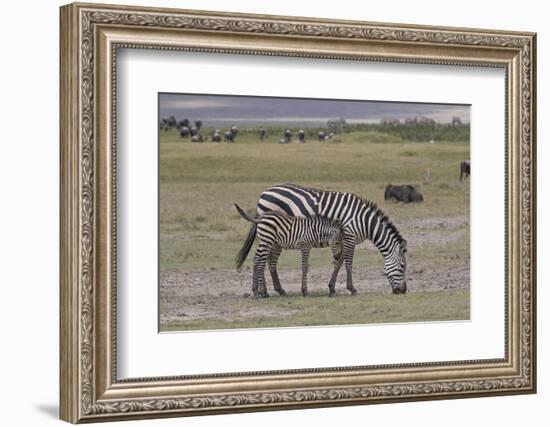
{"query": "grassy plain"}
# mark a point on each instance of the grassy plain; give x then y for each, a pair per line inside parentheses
(318, 309)
(200, 229)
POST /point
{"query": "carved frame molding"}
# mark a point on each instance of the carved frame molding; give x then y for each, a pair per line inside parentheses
(90, 37)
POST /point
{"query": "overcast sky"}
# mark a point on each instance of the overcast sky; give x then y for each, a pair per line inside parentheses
(244, 110)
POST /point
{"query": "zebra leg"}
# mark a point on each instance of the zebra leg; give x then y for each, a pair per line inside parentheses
(305, 261)
(255, 277)
(348, 261)
(258, 275)
(337, 248)
(337, 265)
(272, 260)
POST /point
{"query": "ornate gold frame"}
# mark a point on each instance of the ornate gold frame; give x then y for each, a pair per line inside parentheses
(90, 36)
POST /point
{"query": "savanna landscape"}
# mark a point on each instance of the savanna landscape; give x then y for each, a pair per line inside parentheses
(201, 232)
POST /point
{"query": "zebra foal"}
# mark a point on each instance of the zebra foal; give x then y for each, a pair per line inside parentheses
(278, 231)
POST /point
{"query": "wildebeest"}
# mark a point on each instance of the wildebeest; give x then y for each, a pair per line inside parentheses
(194, 130)
(231, 134)
(197, 138)
(217, 136)
(168, 123)
(198, 124)
(228, 136)
(171, 121)
(183, 123)
(262, 134)
(403, 193)
(185, 132)
(301, 136)
(464, 169)
(287, 135)
(321, 135)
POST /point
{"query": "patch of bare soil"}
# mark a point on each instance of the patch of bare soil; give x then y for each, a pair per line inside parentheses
(219, 294)
(448, 222)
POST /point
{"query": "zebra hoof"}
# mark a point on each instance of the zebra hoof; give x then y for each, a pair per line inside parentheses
(353, 292)
(332, 294)
(305, 293)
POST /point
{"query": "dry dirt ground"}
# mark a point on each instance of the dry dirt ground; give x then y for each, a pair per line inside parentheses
(196, 295)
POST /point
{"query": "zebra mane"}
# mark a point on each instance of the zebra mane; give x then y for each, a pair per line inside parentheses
(383, 218)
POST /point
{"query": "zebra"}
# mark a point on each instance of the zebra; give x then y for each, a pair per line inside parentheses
(278, 231)
(361, 220)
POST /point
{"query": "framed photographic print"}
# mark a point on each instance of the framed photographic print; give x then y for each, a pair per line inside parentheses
(266, 212)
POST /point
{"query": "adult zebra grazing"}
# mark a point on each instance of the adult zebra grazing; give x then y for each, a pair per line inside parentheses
(278, 231)
(361, 220)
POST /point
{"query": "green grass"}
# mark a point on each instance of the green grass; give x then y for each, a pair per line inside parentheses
(318, 309)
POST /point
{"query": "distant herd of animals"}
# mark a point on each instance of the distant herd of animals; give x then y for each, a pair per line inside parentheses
(291, 216)
(186, 130)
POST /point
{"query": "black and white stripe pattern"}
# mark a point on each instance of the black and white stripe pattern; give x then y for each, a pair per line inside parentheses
(277, 231)
(361, 220)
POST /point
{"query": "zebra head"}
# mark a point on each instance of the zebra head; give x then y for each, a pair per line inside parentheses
(395, 266)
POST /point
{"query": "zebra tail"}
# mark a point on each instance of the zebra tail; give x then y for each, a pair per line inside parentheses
(246, 216)
(243, 253)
